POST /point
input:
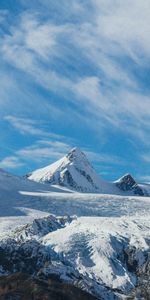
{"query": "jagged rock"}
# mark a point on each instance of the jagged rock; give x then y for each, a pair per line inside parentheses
(142, 289)
(127, 183)
(42, 226)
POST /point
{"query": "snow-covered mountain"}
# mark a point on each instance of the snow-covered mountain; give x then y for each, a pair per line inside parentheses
(73, 171)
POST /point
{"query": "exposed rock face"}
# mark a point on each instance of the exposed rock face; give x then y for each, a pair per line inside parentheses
(141, 268)
(127, 183)
(26, 257)
(21, 286)
(142, 289)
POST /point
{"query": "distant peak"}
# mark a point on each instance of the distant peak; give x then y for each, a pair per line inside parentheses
(75, 153)
(126, 179)
(75, 150)
(126, 182)
(127, 175)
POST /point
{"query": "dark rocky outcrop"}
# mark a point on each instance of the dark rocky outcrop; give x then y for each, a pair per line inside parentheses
(21, 286)
(142, 289)
(127, 183)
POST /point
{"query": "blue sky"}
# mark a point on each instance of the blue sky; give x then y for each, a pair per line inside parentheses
(75, 73)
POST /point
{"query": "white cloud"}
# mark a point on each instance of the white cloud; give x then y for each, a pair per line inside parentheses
(146, 157)
(40, 37)
(44, 152)
(11, 162)
(26, 126)
(41, 152)
(145, 178)
(3, 15)
(99, 158)
(47, 151)
(89, 88)
(31, 41)
(125, 24)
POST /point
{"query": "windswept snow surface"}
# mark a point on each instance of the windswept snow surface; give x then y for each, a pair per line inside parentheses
(88, 236)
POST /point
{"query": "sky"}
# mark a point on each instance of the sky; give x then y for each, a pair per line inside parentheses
(75, 73)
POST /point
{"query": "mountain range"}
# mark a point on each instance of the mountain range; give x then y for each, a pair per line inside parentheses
(75, 172)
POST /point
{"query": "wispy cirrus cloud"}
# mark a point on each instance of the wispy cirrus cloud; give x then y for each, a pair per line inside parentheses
(145, 179)
(146, 157)
(41, 152)
(37, 42)
(11, 162)
(44, 150)
(33, 127)
(126, 26)
(103, 158)
(26, 126)
(89, 58)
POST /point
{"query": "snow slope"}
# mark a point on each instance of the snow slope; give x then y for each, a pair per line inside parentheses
(16, 199)
(95, 248)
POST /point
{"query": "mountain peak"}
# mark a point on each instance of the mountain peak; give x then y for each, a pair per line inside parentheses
(75, 154)
(76, 151)
(128, 183)
(73, 171)
(127, 175)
